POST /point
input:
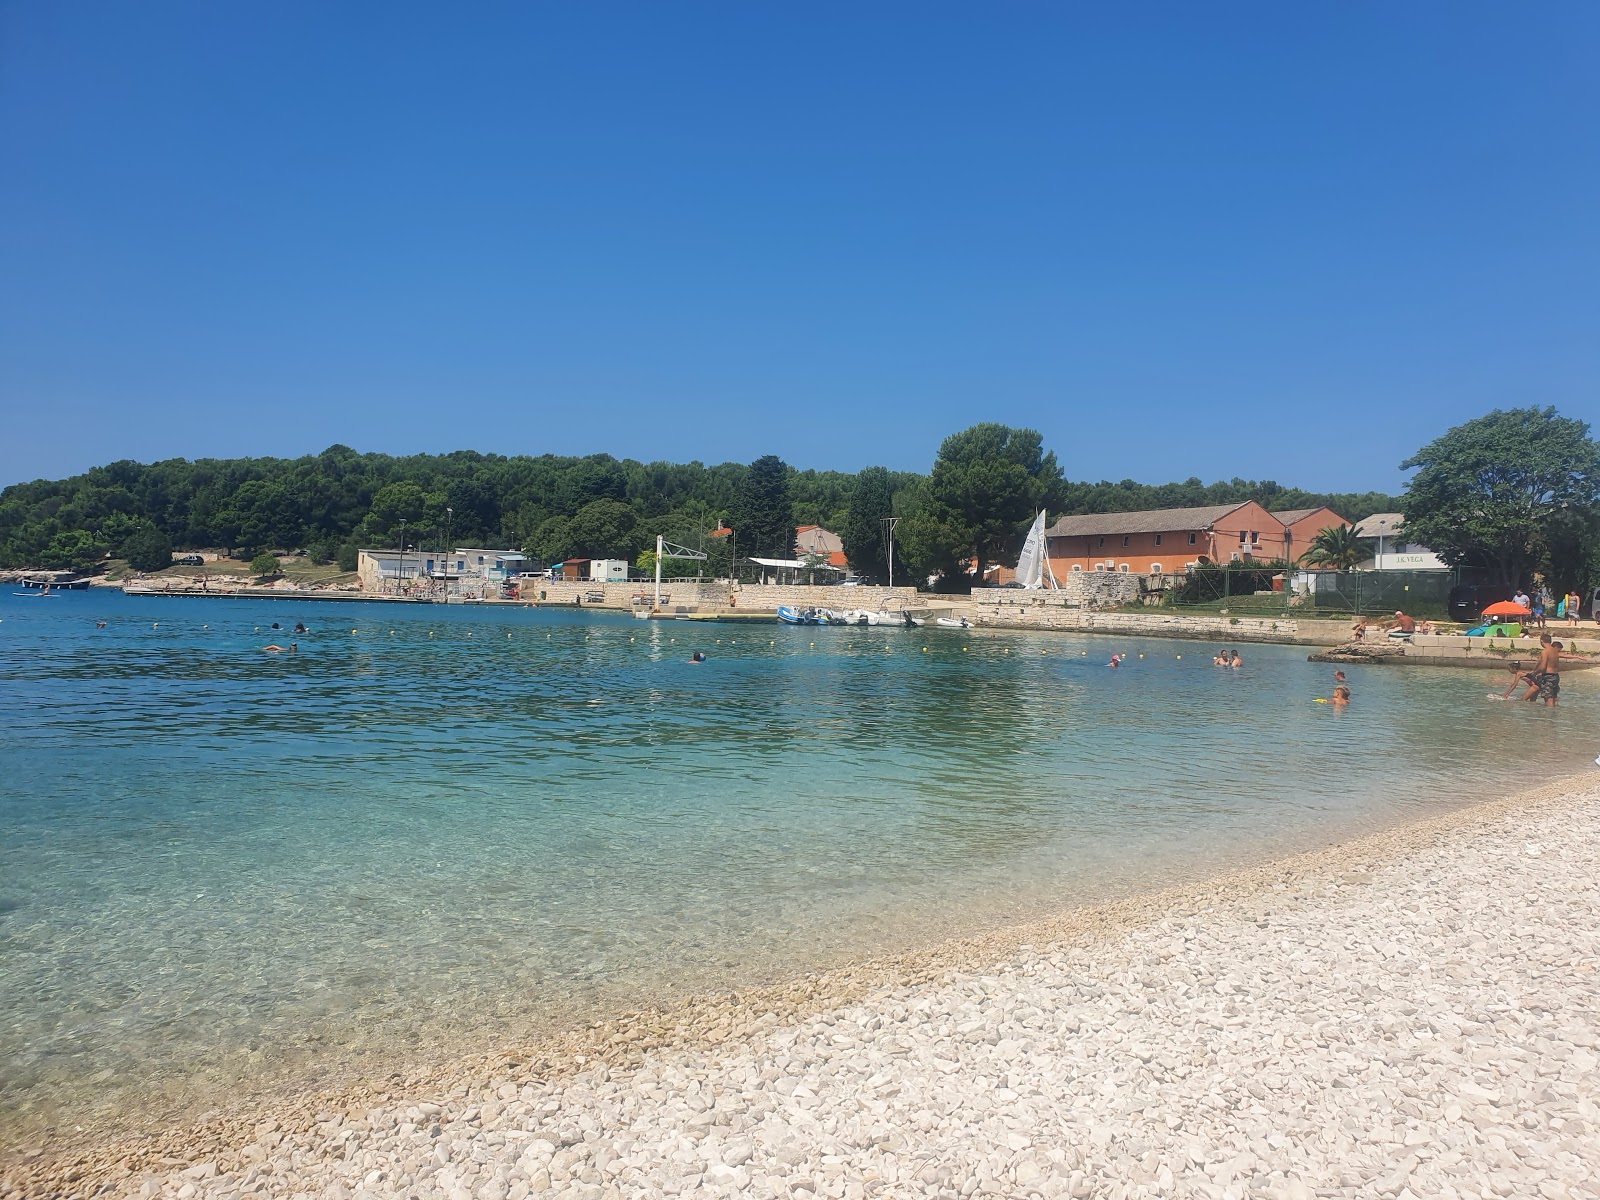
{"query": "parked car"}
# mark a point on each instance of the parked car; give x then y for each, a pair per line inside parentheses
(190, 560)
(1468, 600)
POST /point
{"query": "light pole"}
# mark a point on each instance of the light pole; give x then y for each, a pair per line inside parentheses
(1378, 563)
(889, 524)
(449, 520)
(402, 584)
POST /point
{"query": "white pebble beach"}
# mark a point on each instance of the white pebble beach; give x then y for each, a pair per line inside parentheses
(1416, 1014)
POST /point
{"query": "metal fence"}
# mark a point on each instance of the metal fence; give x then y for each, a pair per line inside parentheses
(1380, 591)
(1264, 589)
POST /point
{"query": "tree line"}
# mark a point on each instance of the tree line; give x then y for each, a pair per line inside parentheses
(555, 507)
(1511, 493)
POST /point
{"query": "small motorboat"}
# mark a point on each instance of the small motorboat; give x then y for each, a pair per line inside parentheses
(790, 615)
(953, 622)
(895, 619)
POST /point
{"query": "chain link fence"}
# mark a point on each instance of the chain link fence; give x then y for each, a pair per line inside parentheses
(1261, 589)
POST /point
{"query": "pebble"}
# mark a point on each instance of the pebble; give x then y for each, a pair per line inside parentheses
(1428, 1033)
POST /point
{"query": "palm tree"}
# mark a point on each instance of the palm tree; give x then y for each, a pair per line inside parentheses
(1337, 547)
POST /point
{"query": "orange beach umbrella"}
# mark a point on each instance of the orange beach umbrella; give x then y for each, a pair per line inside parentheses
(1505, 608)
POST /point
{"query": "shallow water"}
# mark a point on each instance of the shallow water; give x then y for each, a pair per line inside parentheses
(434, 826)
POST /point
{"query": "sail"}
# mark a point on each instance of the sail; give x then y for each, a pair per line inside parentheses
(1030, 566)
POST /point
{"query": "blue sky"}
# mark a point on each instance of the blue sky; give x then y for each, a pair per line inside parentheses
(1271, 240)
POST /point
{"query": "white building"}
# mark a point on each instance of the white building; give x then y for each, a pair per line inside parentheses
(1392, 552)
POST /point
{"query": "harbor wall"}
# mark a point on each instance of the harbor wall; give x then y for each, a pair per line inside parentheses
(702, 597)
(1285, 630)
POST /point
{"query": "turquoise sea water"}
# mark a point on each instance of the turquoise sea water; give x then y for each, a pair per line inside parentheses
(433, 828)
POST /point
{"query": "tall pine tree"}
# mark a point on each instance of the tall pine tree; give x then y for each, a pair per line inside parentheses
(864, 535)
(762, 514)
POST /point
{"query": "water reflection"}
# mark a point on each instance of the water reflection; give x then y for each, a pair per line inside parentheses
(216, 864)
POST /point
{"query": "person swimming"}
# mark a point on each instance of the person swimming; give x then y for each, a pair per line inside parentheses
(1341, 696)
(99, 624)
(1236, 662)
(697, 657)
(291, 648)
(299, 627)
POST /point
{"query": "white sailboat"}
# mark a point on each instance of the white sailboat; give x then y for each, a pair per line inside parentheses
(1033, 566)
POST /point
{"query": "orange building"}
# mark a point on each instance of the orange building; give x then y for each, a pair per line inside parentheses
(1164, 541)
(1304, 524)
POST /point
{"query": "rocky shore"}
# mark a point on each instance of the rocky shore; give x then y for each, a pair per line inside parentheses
(1416, 1014)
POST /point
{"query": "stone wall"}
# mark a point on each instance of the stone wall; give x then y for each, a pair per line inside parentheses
(1158, 623)
(1079, 589)
(693, 597)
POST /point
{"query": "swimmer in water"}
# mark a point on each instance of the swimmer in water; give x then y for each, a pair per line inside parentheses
(99, 624)
(1237, 661)
(291, 648)
(1341, 696)
(697, 657)
(299, 627)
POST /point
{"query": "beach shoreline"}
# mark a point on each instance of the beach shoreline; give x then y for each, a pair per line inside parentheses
(74, 1163)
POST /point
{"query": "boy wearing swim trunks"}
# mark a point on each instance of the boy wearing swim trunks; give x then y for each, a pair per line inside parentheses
(1546, 675)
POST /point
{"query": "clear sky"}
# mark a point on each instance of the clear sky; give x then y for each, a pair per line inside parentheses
(1289, 241)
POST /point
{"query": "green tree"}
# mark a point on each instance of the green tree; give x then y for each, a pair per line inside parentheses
(349, 555)
(762, 514)
(1485, 493)
(604, 529)
(986, 486)
(264, 564)
(1337, 547)
(552, 541)
(147, 549)
(864, 533)
(74, 550)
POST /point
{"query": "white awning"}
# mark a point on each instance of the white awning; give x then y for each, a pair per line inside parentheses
(792, 564)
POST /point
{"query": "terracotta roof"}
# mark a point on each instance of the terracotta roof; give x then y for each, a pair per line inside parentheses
(1150, 520)
(836, 559)
(1290, 515)
(1381, 524)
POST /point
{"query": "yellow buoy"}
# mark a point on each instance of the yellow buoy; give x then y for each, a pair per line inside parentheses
(508, 635)
(1141, 655)
(924, 649)
(1008, 651)
(813, 643)
(963, 649)
(469, 633)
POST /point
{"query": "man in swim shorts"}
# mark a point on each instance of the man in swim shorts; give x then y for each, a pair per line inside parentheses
(1545, 679)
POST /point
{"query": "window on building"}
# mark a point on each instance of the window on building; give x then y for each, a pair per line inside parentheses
(1255, 538)
(1233, 557)
(1242, 536)
(1158, 539)
(1099, 566)
(1155, 568)
(1124, 539)
(1123, 567)
(1076, 569)
(1191, 539)
(1102, 542)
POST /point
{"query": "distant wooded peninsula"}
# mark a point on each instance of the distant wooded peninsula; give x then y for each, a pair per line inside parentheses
(553, 507)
